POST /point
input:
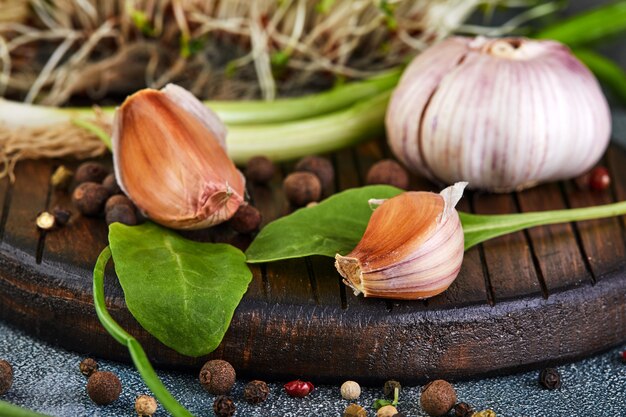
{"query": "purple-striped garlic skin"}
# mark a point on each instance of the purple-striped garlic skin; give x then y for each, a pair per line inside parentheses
(412, 247)
(501, 114)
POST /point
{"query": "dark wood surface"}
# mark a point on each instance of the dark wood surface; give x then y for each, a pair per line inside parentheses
(542, 296)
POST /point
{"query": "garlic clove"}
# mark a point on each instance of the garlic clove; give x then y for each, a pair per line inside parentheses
(170, 160)
(412, 247)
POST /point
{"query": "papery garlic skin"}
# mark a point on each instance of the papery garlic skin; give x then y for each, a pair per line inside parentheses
(170, 159)
(412, 247)
(502, 114)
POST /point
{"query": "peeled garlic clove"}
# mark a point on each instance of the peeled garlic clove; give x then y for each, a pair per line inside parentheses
(502, 114)
(412, 247)
(169, 157)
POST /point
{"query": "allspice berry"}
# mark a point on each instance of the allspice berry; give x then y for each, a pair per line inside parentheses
(145, 406)
(322, 168)
(116, 200)
(61, 216)
(388, 172)
(6, 376)
(88, 366)
(355, 410)
(387, 411)
(260, 170)
(89, 198)
(390, 387)
(104, 387)
(110, 183)
(246, 219)
(224, 406)
(90, 172)
(217, 376)
(301, 188)
(350, 390)
(550, 378)
(438, 397)
(121, 213)
(256, 392)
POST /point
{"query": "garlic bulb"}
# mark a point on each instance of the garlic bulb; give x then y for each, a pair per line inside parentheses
(170, 159)
(412, 247)
(502, 114)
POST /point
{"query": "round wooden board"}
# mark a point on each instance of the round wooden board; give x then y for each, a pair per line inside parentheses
(543, 296)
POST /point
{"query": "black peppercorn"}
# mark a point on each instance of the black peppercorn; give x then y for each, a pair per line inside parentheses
(322, 168)
(301, 188)
(104, 387)
(224, 406)
(116, 200)
(61, 216)
(463, 410)
(260, 170)
(90, 172)
(88, 366)
(217, 376)
(256, 392)
(246, 219)
(6, 376)
(438, 397)
(89, 198)
(388, 172)
(121, 213)
(110, 183)
(550, 378)
(390, 387)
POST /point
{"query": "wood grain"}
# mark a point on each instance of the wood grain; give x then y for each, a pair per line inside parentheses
(544, 296)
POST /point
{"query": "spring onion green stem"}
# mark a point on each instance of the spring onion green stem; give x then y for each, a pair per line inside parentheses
(136, 351)
(588, 27)
(10, 410)
(96, 130)
(607, 71)
(479, 228)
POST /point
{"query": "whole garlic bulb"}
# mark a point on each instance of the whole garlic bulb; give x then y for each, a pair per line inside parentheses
(501, 114)
(412, 247)
(170, 159)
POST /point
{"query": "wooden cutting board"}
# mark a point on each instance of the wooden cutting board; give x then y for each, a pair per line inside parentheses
(543, 296)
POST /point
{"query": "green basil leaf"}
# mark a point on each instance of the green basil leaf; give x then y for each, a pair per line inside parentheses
(333, 226)
(183, 292)
(380, 404)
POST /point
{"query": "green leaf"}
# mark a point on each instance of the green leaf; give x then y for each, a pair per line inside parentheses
(333, 226)
(380, 404)
(183, 292)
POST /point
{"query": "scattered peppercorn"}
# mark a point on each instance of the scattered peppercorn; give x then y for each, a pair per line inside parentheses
(104, 387)
(61, 178)
(485, 413)
(550, 378)
(463, 410)
(121, 213)
(90, 172)
(61, 216)
(89, 198)
(599, 179)
(110, 183)
(322, 168)
(45, 220)
(438, 397)
(224, 406)
(217, 376)
(145, 406)
(6, 376)
(116, 200)
(256, 392)
(350, 390)
(260, 170)
(387, 411)
(354, 410)
(388, 172)
(88, 366)
(390, 387)
(246, 219)
(299, 388)
(301, 188)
